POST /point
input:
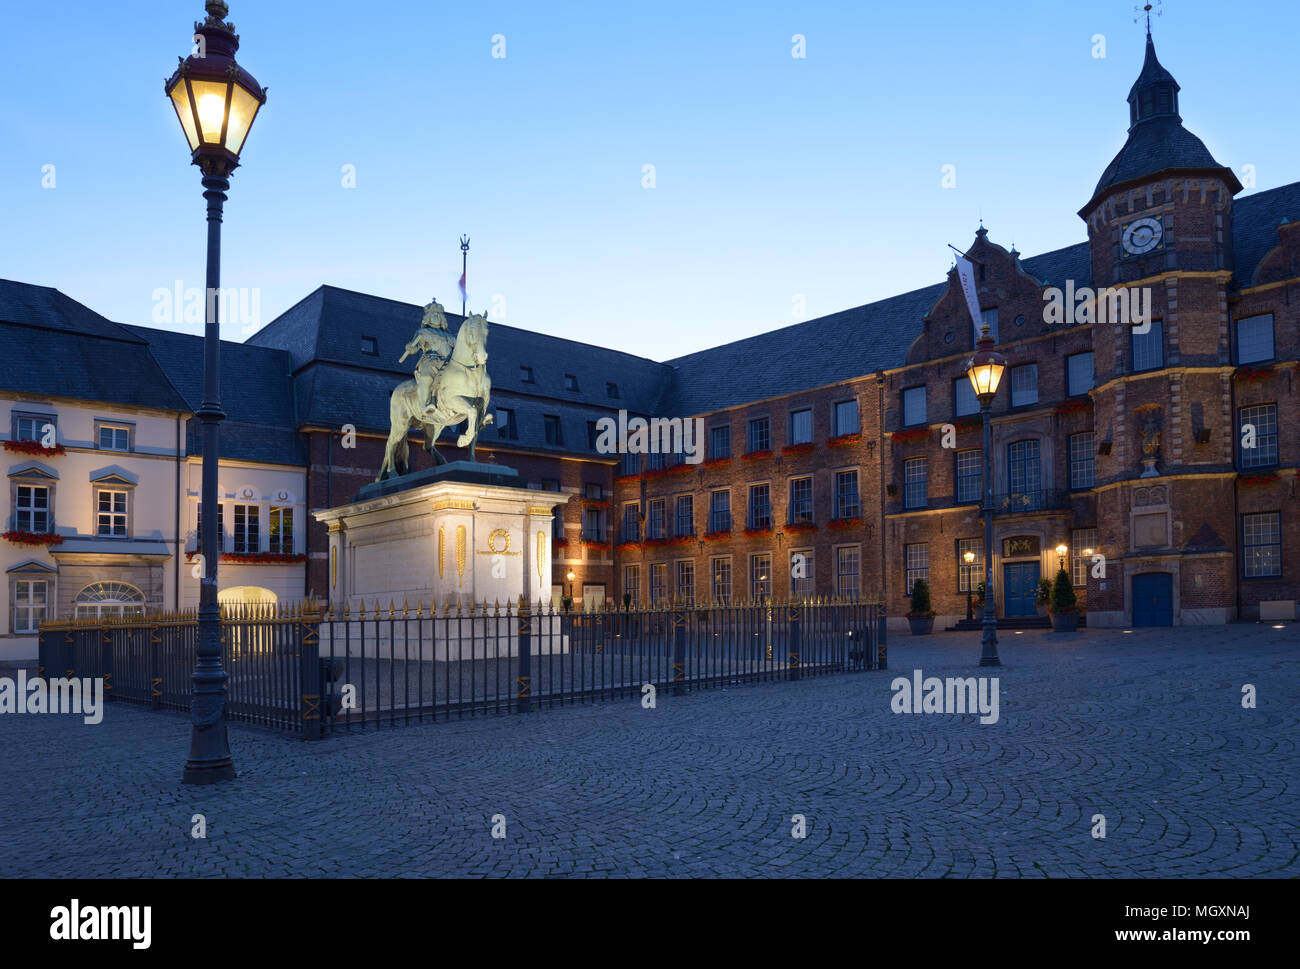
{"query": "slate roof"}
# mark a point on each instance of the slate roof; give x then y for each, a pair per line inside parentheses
(256, 395)
(1255, 219)
(1156, 145)
(57, 347)
(327, 326)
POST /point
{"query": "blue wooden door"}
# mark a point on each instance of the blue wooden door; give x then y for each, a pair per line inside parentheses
(1020, 589)
(1153, 599)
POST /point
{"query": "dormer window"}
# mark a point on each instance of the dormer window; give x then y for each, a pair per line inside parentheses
(611, 390)
(570, 382)
(370, 346)
(526, 375)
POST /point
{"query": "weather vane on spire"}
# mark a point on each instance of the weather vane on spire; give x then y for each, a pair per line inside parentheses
(1146, 9)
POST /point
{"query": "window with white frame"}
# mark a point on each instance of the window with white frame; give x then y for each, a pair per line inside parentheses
(970, 474)
(281, 529)
(720, 511)
(719, 442)
(1083, 545)
(847, 504)
(802, 582)
(760, 576)
(1255, 339)
(848, 565)
(916, 559)
(1083, 460)
(968, 575)
(109, 599)
(631, 522)
(31, 598)
(759, 435)
(914, 483)
(114, 437)
(658, 582)
(721, 579)
(111, 513)
(1257, 435)
(1262, 545)
(801, 501)
(686, 581)
(33, 427)
(32, 509)
(632, 582)
(247, 535)
(760, 506)
(685, 515)
(655, 521)
(1024, 384)
(221, 526)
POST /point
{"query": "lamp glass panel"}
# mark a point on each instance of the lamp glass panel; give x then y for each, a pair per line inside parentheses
(243, 109)
(181, 102)
(210, 98)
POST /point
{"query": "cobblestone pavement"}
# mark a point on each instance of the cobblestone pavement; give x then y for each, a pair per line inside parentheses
(1146, 728)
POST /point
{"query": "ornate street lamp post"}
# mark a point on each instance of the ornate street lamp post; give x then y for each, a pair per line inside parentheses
(969, 556)
(985, 372)
(1061, 550)
(216, 101)
(569, 598)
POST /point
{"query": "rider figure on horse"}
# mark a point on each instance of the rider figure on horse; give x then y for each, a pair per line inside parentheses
(434, 344)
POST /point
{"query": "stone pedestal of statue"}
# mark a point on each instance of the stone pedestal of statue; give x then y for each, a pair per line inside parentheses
(461, 537)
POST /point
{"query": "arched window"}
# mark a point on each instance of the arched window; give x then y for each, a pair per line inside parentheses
(109, 599)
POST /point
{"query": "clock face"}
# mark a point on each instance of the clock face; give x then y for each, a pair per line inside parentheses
(1142, 236)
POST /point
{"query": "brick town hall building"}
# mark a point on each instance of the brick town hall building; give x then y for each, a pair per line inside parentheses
(1126, 441)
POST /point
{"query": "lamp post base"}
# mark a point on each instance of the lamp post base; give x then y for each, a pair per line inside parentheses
(205, 773)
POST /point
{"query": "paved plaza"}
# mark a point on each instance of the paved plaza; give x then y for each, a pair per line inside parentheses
(1146, 728)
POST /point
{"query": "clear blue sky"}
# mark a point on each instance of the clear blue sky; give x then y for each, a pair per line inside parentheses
(775, 176)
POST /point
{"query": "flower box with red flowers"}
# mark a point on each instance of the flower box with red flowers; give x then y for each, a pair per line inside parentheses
(35, 447)
(795, 528)
(844, 440)
(654, 542)
(684, 468)
(911, 434)
(595, 503)
(681, 540)
(716, 462)
(262, 558)
(843, 524)
(1075, 405)
(33, 538)
(717, 536)
(969, 424)
(798, 448)
(758, 532)
(598, 546)
(756, 455)
(624, 478)
(1257, 480)
(628, 546)
(652, 473)
(1253, 375)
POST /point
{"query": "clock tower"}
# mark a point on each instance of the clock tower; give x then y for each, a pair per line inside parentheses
(1160, 226)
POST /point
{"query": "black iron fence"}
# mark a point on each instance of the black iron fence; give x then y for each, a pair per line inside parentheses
(314, 672)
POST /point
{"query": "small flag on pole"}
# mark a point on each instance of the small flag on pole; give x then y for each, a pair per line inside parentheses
(463, 296)
(966, 274)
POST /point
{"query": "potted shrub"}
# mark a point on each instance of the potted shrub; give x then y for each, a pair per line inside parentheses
(1065, 612)
(1044, 599)
(921, 616)
(978, 607)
